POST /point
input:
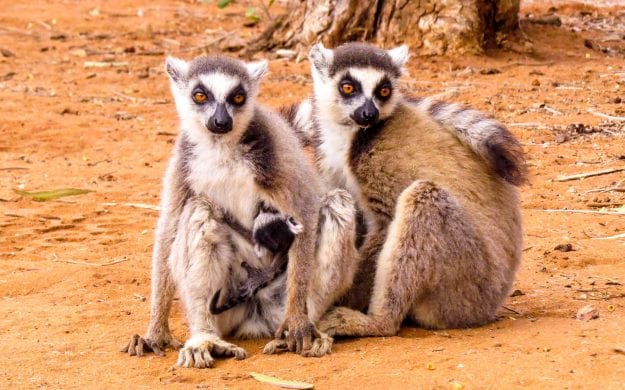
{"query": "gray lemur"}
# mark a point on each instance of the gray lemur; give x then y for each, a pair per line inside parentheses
(232, 158)
(436, 183)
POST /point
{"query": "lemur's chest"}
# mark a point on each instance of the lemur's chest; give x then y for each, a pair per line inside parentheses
(333, 161)
(228, 180)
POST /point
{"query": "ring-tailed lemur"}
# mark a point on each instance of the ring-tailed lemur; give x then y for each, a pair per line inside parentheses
(436, 183)
(231, 157)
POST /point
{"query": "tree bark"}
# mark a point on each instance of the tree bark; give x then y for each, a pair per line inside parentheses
(429, 27)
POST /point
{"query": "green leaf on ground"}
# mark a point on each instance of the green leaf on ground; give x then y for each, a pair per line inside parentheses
(223, 3)
(42, 196)
(252, 15)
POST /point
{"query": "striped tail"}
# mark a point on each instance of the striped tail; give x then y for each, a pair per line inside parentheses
(487, 137)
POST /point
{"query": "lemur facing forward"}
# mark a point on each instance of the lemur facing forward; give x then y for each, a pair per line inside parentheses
(236, 170)
(436, 183)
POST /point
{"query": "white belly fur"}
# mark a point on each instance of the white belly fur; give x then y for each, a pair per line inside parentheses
(227, 180)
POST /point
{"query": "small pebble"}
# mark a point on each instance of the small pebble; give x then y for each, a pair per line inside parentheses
(7, 53)
(564, 247)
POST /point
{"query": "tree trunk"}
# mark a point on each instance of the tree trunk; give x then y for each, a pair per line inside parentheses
(430, 27)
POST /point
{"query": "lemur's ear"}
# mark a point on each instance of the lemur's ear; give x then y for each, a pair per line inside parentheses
(399, 55)
(320, 58)
(257, 69)
(176, 68)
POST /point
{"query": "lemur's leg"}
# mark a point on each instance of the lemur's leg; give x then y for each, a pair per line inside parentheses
(158, 336)
(202, 260)
(336, 263)
(423, 269)
(358, 296)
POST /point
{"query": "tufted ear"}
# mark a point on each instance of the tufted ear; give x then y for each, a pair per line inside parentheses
(321, 59)
(257, 69)
(176, 68)
(399, 55)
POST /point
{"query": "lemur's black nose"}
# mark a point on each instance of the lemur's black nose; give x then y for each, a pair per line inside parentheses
(221, 121)
(367, 114)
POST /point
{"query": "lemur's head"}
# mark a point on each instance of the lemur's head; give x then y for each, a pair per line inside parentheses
(356, 85)
(214, 95)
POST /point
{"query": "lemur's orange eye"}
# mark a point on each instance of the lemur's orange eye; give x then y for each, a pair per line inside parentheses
(385, 92)
(238, 99)
(199, 97)
(347, 88)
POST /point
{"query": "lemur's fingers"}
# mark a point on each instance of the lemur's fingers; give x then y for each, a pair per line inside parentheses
(132, 345)
(306, 344)
(140, 346)
(321, 346)
(258, 250)
(274, 346)
(294, 226)
(156, 349)
(227, 349)
(291, 343)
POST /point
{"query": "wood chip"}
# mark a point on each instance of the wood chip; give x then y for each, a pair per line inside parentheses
(564, 247)
(101, 64)
(587, 313)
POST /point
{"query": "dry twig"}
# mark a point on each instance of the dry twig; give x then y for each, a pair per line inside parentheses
(614, 237)
(14, 169)
(616, 188)
(135, 205)
(618, 212)
(589, 174)
(606, 116)
(112, 262)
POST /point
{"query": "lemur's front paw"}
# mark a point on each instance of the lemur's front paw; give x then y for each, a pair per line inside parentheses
(138, 345)
(199, 351)
(298, 333)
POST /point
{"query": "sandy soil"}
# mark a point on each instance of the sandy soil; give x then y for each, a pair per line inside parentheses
(110, 130)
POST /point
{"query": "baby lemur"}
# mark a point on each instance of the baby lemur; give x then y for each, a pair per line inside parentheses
(235, 168)
(436, 183)
(272, 236)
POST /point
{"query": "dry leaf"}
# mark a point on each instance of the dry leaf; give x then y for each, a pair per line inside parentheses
(280, 382)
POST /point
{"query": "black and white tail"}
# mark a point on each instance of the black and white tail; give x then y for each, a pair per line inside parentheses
(487, 137)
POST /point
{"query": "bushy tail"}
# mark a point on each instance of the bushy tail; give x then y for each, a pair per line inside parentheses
(300, 117)
(487, 137)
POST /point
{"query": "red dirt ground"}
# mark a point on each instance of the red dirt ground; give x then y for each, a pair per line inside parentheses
(111, 130)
